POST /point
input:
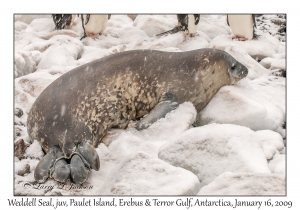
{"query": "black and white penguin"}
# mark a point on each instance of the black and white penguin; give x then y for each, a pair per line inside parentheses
(94, 25)
(242, 26)
(187, 23)
(63, 21)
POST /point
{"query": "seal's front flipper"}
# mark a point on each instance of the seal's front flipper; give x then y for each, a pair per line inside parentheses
(42, 170)
(167, 103)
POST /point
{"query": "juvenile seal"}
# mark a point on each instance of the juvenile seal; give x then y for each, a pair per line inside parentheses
(76, 110)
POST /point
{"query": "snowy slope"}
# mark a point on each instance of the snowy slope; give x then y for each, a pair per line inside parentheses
(255, 108)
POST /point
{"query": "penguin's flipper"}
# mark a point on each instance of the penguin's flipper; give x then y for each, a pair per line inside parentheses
(87, 19)
(255, 36)
(172, 31)
(183, 21)
(109, 15)
(254, 21)
(197, 18)
(227, 21)
(84, 34)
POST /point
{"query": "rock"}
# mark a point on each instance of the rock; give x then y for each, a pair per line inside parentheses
(279, 73)
(26, 62)
(272, 142)
(34, 150)
(132, 17)
(277, 164)
(24, 171)
(26, 18)
(67, 48)
(55, 193)
(284, 125)
(18, 112)
(274, 25)
(20, 148)
(210, 150)
(142, 174)
(282, 30)
(17, 132)
(246, 106)
(155, 24)
(278, 21)
(214, 25)
(245, 184)
(273, 63)
(265, 46)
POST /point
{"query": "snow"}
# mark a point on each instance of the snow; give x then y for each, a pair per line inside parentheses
(273, 63)
(250, 114)
(255, 111)
(265, 46)
(213, 149)
(156, 24)
(271, 141)
(35, 150)
(142, 174)
(277, 164)
(245, 184)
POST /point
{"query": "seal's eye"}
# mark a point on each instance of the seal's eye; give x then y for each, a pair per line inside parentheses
(233, 67)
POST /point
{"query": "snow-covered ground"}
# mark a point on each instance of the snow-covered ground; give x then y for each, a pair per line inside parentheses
(241, 141)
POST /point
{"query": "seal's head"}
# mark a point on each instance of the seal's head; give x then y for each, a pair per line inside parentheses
(237, 71)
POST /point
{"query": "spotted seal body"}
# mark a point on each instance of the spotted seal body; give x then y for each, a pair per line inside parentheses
(78, 108)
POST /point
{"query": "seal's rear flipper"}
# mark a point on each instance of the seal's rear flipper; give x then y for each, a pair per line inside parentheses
(167, 103)
(42, 170)
(80, 169)
(61, 170)
(90, 155)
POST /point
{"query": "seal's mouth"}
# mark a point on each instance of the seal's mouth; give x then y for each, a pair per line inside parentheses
(237, 74)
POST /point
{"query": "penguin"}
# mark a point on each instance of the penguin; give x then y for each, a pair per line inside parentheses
(63, 21)
(242, 26)
(94, 25)
(186, 23)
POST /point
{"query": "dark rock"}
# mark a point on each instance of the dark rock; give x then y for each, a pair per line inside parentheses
(282, 30)
(132, 16)
(284, 125)
(20, 148)
(19, 112)
(283, 16)
(24, 171)
(279, 73)
(18, 131)
(278, 21)
(56, 193)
